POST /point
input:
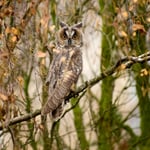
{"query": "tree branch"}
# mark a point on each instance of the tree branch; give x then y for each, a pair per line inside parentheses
(126, 62)
(22, 118)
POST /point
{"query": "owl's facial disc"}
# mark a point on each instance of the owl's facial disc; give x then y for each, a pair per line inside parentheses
(70, 36)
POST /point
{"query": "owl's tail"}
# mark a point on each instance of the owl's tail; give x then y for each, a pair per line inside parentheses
(57, 112)
(53, 106)
(56, 98)
(54, 113)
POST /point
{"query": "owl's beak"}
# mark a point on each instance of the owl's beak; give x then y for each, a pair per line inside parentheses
(69, 41)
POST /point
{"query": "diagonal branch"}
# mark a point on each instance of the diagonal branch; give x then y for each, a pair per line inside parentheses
(126, 62)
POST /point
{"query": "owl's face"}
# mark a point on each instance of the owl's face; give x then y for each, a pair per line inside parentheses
(70, 36)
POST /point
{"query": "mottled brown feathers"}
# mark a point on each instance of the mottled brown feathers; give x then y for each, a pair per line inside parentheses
(64, 71)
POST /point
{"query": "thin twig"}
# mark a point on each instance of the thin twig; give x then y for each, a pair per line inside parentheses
(12, 136)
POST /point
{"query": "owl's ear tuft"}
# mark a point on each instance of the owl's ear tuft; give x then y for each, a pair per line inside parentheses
(78, 25)
(62, 24)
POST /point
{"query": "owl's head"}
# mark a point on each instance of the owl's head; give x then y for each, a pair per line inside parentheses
(69, 36)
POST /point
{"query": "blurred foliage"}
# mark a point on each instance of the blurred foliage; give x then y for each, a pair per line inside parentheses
(27, 32)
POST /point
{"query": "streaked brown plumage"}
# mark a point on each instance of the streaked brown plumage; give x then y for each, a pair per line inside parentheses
(65, 68)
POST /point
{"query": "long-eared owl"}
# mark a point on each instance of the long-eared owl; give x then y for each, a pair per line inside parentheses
(65, 67)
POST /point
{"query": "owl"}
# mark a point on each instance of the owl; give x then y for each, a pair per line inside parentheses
(65, 68)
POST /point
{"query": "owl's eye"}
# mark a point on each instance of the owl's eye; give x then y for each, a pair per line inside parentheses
(75, 35)
(64, 35)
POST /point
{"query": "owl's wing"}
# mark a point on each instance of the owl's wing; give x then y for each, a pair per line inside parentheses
(54, 70)
(61, 90)
(63, 86)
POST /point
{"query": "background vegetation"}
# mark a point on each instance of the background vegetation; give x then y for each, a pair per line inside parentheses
(111, 106)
